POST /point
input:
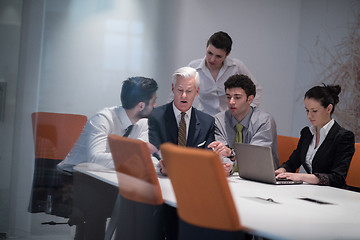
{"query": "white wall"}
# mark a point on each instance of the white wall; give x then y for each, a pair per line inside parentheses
(75, 67)
(324, 26)
(90, 48)
(265, 38)
(75, 54)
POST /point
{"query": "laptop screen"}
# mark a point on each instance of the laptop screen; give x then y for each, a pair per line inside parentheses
(255, 162)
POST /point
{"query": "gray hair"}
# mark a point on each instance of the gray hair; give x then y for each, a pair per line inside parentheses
(187, 72)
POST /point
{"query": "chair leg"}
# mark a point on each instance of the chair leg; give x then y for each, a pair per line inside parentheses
(113, 220)
(79, 232)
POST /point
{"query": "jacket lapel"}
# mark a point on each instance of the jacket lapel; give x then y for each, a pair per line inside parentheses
(327, 143)
(170, 123)
(307, 141)
(194, 129)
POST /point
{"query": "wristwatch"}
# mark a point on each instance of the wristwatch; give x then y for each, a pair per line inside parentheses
(232, 155)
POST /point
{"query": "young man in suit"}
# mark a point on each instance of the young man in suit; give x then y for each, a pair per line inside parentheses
(165, 120)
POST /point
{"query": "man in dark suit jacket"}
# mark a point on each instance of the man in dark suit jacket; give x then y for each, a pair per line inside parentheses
(163, 127)
(164, 120)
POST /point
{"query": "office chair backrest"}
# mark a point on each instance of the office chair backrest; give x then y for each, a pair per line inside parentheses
(286, 146)
(55, 133)
(201, 188)
(134, 167)
(353, 176)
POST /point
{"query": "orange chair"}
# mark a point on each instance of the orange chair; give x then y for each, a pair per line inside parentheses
(286, 146)
(56, 133)
(138, 210)
(54, 136)
(204, 202)
(353, 176)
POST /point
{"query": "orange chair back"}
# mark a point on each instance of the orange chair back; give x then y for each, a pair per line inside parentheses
(136, 173)
(353, 176)
(55, 133)
(286, 146)
(201, 188)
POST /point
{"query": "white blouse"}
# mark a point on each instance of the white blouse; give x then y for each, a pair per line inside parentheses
(312, 149)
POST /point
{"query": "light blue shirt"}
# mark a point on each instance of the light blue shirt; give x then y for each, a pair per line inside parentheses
(259, 129)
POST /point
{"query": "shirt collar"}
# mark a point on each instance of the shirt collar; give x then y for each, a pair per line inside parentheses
(227, 63)
(125, 120)
(245, 121)
(178, 113)
(201, 64)
(324, 130)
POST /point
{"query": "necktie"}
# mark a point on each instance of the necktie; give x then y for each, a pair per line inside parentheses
(182, 131)
(128, 131)
(239, 136)
(239, 139)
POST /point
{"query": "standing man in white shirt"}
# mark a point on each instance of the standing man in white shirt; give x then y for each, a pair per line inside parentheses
(214, 69)
(138, 98)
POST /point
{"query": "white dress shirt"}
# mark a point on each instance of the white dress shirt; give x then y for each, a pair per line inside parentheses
(211, 98)
(92, 145)
(312, 149)
(177, 114)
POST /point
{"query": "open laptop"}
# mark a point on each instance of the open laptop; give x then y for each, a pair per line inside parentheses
(256, 163)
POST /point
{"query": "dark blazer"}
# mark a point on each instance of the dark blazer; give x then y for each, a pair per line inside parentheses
(163, 127)
(331, 161)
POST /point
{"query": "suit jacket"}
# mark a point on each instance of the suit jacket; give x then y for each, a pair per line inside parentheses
(163, 127)
(331, 161)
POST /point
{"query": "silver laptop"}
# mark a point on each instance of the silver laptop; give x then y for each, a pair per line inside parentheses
(256, 163)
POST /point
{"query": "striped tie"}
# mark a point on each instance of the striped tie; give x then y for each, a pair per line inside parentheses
(182, 131)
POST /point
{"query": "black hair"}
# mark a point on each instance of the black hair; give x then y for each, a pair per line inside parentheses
(220, 40)
(327, 94)
(241, 81)
(137, 89)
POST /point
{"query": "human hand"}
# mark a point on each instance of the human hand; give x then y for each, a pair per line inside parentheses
(305, 177)
(220, 148)
(289, 176)
(152, 148)
(227, 168)
(279, 170)
(162, 168)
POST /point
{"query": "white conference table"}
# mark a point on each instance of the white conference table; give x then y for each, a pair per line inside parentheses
(287, 216)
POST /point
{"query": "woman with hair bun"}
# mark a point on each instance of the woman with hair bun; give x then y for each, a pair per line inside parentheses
(325, 149)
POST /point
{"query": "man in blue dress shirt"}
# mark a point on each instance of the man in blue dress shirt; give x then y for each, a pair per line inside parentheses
(258, 127)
